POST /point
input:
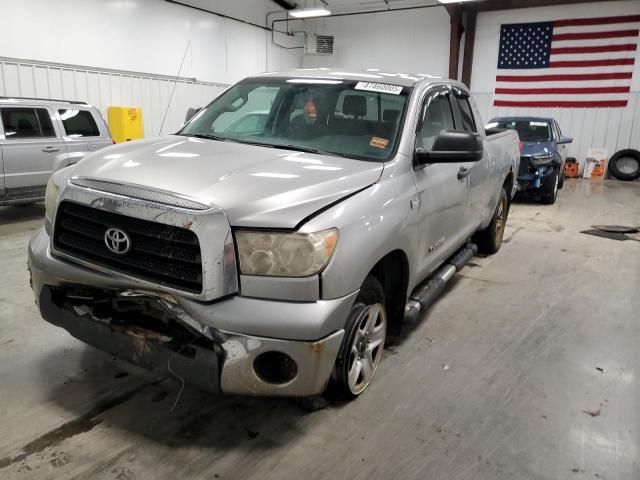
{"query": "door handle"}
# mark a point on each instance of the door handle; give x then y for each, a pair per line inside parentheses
(463, 172)
(50, 149)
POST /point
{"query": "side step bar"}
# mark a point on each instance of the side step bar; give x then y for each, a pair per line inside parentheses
(426, 293)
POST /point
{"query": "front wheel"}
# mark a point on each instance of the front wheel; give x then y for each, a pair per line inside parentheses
(363, 342)
(489, 240)
(551, 186)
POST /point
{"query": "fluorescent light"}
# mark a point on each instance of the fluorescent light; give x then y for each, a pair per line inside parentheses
(455, 1)
(309, 12)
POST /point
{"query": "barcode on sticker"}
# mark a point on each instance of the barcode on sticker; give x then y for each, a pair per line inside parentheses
(379, 87)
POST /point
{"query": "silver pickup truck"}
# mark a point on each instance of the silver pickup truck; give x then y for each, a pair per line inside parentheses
(272, 244)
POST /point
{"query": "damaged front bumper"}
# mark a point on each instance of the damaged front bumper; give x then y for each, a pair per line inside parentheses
(532, 178)
(189, 339)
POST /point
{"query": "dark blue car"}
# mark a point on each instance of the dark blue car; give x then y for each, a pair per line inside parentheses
(543, 154)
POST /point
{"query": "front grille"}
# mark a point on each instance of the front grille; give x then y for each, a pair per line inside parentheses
(525, 164)
(159, 253)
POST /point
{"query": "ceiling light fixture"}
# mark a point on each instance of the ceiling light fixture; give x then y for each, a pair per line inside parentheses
(309, 12)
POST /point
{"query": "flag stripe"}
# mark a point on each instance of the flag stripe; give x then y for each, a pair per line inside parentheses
(522, 72)
(593, 42)
(592, 63)
(576, 104)
(598, 28)
(593, 56)
(594, 97)
(566, 77)
(562, 84)
(595, 35)
(627, 47)
(575, 22)
(564, 91)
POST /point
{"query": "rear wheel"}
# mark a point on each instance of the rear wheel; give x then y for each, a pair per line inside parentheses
(363, 342)
(551, 186)
(489, 240)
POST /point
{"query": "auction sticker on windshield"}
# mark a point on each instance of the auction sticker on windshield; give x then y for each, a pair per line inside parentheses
(379, 87)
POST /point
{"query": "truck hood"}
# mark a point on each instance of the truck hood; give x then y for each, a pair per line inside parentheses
(537, 148)
(256, 186)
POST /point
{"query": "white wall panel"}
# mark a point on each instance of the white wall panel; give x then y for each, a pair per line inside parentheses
(144, 36)
(109, 88)
(610, 128)
(99, 57)
(406, 41)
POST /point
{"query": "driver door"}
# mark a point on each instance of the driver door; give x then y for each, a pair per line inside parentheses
(442, 193)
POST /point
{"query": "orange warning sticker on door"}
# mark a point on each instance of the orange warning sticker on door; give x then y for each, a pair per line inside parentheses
(379, 142)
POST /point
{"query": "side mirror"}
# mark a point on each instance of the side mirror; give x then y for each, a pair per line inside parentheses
(191, 111)
(565, 140)
(452, 147)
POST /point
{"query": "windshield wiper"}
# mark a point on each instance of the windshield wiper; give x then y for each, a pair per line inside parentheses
(204, 135)
(304, 149)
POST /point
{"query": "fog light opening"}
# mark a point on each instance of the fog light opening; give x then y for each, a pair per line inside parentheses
(275, 367)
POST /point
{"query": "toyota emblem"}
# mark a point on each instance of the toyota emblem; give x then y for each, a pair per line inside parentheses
(117, 241)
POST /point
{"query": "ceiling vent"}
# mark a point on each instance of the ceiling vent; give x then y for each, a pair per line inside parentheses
(318, 44)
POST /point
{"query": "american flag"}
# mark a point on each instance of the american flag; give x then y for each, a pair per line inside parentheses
(586, 62)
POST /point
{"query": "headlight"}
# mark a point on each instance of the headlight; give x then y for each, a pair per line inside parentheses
(285, 254)
(543, 159)
(51, 198)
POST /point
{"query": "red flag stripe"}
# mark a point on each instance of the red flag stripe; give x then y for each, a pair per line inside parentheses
(592, 63)
(594, 35)
(561, 91)
(628, 47)
(594, 104)
(562, 78)
(577, 22)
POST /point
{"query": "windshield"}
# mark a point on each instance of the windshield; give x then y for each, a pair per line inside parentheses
(340, 117)
(528, 130)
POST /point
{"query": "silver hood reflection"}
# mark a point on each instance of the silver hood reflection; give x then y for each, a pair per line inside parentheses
(256, 186)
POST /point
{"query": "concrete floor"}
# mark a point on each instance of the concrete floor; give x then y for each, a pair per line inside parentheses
(493, 382)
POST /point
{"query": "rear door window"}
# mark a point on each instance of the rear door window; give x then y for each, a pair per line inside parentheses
(22, 123)
(79, 123)
(468, 123)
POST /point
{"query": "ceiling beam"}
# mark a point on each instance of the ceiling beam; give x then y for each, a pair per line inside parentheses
(469, 45)
(284, 4)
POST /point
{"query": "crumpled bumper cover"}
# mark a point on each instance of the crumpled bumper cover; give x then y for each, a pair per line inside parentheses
(534, 180)
(199, 368)
(226, 366)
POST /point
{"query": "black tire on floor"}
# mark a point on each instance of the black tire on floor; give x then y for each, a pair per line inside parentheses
(550, 188)
(370, 300)
(489, 240)
(627, 172)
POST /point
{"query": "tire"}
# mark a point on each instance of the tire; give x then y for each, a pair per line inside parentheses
(625, 165)
(489, 240)
(561, 173)
(363, 342)
(550, 190)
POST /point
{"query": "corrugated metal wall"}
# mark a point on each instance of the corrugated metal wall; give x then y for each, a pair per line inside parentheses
(103, 88)
(610, 128)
